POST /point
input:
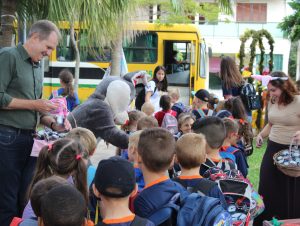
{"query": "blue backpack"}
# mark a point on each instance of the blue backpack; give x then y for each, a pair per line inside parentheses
(228, 153)
(191, 209)
(180, 108)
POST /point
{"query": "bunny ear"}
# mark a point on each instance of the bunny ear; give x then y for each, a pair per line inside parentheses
(266, 79)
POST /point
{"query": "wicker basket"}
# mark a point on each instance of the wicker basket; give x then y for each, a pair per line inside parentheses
(292, 171)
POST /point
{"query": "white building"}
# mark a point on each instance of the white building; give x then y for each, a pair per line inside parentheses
(223, 36)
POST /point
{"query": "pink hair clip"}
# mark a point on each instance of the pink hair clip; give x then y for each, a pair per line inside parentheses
(78, 157)
(50, 147)
(242, 121)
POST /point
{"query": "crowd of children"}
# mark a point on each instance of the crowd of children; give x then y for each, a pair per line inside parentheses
(155, 178)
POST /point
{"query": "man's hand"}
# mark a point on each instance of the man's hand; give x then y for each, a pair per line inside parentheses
(44, 106)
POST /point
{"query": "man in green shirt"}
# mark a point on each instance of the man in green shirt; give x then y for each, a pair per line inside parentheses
(21, 109)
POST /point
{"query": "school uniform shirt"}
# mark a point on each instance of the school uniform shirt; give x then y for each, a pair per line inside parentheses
(156, 195)
(72, 102)
(155, 96)
(240, 160)
(124, 221)
(215, 192)
(161, 114)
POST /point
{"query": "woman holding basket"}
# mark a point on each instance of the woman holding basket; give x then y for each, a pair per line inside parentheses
(281, 193)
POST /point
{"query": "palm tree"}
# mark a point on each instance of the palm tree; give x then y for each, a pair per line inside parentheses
(101, 20)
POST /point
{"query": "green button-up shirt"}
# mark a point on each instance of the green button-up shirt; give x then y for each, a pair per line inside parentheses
(21, 79)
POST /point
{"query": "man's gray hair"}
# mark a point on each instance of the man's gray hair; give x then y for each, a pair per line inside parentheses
(44, 28)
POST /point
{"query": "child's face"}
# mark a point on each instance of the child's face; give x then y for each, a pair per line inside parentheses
(160, 75)
(234, 138)
(174, 99)
(186, 127)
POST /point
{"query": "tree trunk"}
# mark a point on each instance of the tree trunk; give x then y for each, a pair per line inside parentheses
(116, 56)
(77, 58)
(298, 62)
(7, 18)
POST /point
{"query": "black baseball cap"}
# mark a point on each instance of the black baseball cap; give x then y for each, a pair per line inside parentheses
(203, 95)
(115, 177)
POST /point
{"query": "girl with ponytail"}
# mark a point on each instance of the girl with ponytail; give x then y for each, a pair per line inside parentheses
(67, 89)
(66, 158)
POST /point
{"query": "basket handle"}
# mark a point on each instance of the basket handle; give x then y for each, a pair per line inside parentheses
(291, 146)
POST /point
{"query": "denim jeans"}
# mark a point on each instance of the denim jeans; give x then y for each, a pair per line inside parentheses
(16, 170)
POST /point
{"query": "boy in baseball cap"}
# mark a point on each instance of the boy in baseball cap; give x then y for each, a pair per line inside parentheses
(200, 101)
(114, 183)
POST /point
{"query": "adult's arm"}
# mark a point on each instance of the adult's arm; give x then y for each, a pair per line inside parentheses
(40, 105)
(98, 117)
(149, 89)
(263, 134)
(7, 72)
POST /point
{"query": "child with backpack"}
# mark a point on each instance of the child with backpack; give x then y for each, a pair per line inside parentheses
(167, 117)
(114, 184)
(156, 152)
(191, 153)
(88, 140)
(66, 158)
(200, 102)
(230, 149)
(214, 131)
(166, 202)
(165, 104)
(133, 158)
(67, 89)
(177, 106)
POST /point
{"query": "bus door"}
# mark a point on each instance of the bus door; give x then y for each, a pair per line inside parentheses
(177, 60)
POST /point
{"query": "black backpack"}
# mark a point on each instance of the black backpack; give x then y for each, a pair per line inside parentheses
(249, 97)
(140, 97)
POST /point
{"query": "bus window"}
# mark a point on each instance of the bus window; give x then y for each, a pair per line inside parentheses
(142, 50)
(202, 69)
(92, 54)
(64, 50)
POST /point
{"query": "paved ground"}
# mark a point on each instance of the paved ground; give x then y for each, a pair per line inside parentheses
(102, 152)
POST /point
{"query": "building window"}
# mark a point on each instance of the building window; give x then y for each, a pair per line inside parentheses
(251, 12)
(277, 61)
(142, 50)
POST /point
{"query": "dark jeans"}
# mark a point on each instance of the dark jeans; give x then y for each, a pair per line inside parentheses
(16, 170)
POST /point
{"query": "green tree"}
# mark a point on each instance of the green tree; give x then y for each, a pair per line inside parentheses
(101, 20)
(291, 25)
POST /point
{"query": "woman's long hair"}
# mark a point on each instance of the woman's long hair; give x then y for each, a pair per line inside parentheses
(67, 78)
(287, 87)
(229, 73)
(163, 85)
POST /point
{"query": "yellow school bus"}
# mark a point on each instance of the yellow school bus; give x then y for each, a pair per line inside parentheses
(155, 46)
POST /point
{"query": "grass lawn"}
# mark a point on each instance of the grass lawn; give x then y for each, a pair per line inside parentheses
(254, 162)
